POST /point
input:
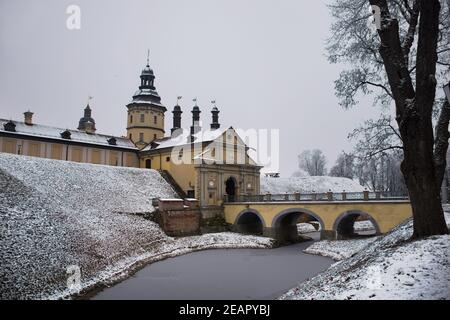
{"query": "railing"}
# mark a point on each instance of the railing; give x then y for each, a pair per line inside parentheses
(327, 196)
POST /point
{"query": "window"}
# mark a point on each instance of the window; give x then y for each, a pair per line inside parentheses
(131, 136)
(148, 163)
(141, 136)
(191, 194)
(154, 136)
(142, 117)
(167, 159)
(155, 119)
(131, 118)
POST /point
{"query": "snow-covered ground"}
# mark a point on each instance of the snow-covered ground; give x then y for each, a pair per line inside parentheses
(54, 214)
(365, 225)
(305, 228)
(308, 185)
(386, 267)
(338, 249)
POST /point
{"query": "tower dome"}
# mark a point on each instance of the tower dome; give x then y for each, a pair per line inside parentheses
(145, 111)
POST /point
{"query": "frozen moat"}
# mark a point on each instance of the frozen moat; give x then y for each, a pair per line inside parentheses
(222, 274)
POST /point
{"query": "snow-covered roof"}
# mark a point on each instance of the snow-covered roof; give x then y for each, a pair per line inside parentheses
(309, 185)
(147, 96)
(184, 138)
(43, 131)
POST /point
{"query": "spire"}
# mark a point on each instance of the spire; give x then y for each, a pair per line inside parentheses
(215, 116)
(147, 76)
(87, 123)
(195, 128)
(176, 117)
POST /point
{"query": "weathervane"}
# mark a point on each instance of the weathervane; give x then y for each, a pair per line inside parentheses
(148, 57)
(89, 98)
(178, 100)
(195, 100)
(213, 102)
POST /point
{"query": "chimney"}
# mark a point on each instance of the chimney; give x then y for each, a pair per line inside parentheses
(176, 129)
(28, 118)
(215, 118)
(195, 128)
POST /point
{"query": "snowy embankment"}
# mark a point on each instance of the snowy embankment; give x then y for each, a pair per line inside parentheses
(338, 249)
(309, 185)
(54, 214)
(386, 267)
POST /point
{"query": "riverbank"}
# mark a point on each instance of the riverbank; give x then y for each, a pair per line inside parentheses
(62, 220)
(173, 247)
(386, 267)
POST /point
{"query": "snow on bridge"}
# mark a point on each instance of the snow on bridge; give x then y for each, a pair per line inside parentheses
(277, 216)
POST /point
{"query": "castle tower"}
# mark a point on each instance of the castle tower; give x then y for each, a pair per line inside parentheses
(145, 121)
(87, 123)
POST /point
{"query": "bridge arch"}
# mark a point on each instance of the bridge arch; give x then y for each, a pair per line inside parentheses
(344, 224)
(250, 221)
(284, 224)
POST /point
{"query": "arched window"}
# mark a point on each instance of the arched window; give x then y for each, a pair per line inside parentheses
(155, 120)
(131, 118)
(142, 117)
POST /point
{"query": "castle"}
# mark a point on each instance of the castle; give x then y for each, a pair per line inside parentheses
(202, 163)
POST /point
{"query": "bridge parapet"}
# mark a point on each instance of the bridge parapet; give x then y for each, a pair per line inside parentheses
(324, 196)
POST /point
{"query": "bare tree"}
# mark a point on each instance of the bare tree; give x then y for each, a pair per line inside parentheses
(405, 72)
(344, 166)
(313, 162)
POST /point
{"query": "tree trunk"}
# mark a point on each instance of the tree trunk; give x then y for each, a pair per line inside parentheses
(414, 113)
(424, 193)
(418, 165)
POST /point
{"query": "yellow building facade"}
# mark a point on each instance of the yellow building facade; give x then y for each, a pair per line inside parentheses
(204, 163)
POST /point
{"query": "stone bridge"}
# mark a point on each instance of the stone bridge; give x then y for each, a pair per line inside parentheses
(277, 215)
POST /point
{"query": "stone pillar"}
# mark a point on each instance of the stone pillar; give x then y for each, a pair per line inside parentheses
(366, 195)
(328, 235)
(330, 195)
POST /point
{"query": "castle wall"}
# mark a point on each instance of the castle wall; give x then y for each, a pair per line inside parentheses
(61, 151)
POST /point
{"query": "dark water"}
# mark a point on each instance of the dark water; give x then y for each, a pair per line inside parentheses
(222, 274)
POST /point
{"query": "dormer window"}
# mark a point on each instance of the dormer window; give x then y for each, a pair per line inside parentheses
(112, 141)
(65, 134)
(10, 126)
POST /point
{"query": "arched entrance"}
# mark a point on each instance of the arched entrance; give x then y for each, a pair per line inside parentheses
(249, 222)
(230, 189)
(354, 224)
(286, 225)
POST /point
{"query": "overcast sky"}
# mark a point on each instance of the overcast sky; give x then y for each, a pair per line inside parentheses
(262, 60)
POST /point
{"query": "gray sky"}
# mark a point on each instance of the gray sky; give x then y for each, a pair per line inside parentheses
(262, 60)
